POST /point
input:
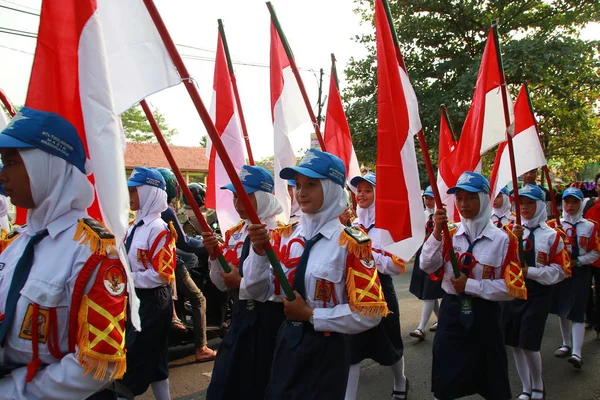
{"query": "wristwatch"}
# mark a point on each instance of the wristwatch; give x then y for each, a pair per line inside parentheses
(311, 319)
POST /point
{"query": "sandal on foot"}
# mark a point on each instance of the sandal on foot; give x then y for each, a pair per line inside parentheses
(209, 357)
(419, 334)
(399, 394)
(543, 392)
(576, 361)
(433, 327)
(524, 394)
(176, 323)
(562, 352)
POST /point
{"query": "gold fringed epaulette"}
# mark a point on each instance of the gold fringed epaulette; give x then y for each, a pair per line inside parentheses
(173, 231)
(357, 242)
(452, 228)
(6, 238)
(97, 236)
(285, 230)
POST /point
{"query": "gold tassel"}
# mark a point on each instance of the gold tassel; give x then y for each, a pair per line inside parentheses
(374, 309)
(360, 251)
(86, 235)
(399, 264)
(173, 231)
(284, 230)
(513, 290)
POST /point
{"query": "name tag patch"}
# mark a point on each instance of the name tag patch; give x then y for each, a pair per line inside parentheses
(42, 324)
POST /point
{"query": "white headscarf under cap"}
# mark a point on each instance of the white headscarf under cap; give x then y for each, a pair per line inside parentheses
(57, 187)
(335, 201)
(474, 227)
(366, 216)
(540, 216)
(153, 201)
(504, 209)
(267, 208)
(573, 218)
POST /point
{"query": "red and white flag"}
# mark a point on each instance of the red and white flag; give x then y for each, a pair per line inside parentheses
(485, 125)
(94, 60)
(336, 135)
(289, 112)
(446, 178)
(398, 198)
(225, 117)
(526, 143)
(3, 119)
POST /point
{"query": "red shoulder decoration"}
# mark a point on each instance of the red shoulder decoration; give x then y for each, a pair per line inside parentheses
(511, 269)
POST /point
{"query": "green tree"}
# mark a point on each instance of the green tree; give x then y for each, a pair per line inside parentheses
(138, 129)
(442, 43)
(204, 141)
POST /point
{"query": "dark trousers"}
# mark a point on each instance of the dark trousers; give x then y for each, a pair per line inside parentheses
(592, 313)
(188, 289)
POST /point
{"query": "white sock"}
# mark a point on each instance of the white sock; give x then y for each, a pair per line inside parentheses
(522, 369)
(399, 377)
(565, 331)
(534, 363)
(161, 390)
(578, 329)
(352, 386)
(436, 308)
(428, 306)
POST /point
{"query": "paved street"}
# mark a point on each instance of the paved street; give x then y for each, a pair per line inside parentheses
(189, 380)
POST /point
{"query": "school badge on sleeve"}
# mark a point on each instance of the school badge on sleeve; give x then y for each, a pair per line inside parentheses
(542, 258)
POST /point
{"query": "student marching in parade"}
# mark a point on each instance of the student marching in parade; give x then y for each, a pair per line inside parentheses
(571, 295)
(468, 350)
(547, 264)
(60, 279)
(382, 343)
(592, 213)
(150, 245)
(330, 268)
(243, 362)
(426, 287)
(501, 215)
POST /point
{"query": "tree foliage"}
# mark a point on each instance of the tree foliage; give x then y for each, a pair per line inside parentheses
(138, 129)
(442, 43)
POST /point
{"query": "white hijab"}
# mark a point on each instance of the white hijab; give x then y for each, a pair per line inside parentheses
(295, 212)
(3, 206)
(474, 227)
(504, 209)
(366, 216)
(153, 201)
(540, 216)
(572, 219)
(267, 208)
(57, 187)
(335, 201)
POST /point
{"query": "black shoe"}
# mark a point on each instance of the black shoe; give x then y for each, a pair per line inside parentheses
(401, 395)
(419, 334)
(576, 361)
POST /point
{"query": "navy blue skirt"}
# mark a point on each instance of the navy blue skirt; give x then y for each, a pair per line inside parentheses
(472, 361)
(570, 297)
(314, 368)
(421, 285)
(243, 364)
(383, 343)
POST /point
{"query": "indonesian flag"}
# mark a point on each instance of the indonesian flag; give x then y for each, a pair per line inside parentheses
(447, 145)
(94, 60)
(526, 143)
(225, 117)
(398, 198)
(485, 125)
(337, 132)
(3, 119)
(288, 111)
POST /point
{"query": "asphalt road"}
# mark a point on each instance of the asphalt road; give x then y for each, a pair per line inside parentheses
(189, 380)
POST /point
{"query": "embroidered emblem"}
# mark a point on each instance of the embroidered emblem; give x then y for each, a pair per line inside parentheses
(542, 258)
(583, 242)
(322, 290)
(244, 174)
(114, 280)
(464, 178)
(42, 323)
(308, 158)
(237, 236)
(488, 272)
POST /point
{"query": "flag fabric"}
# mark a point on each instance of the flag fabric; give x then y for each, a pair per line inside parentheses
(225, 117)
(336, 134)
(485, 125)
(288, 111)
(3, 119)
(399, 214)
(95, 59)
(526, 144)
(447, 145)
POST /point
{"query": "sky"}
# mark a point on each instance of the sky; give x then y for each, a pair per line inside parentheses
(314, 29)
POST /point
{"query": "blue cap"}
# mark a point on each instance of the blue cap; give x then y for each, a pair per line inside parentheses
(291, 182)
(368, 177)
(573, 191)
(428, 192)
(533, 192)
(254, 178)
(471, 182)
(46, 131)
(146, 176)
(319, 165)
(505, 191)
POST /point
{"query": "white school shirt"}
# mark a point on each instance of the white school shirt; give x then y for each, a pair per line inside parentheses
(57, 262)
(326, 266)
(548, 244)
(490, 250)
(587, 235)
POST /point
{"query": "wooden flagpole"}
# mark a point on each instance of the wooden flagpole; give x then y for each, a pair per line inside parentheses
(9, 107)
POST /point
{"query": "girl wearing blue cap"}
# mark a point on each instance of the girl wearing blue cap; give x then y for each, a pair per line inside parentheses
(150, 246)
(382, 343)
(571, 295)
(323, 262)
(60, 280)
(468, 350)
(501, 215)
(547, 264)
(243, 362)
(427, 287)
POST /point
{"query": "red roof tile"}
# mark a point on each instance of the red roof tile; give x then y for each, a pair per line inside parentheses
(191, 159)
